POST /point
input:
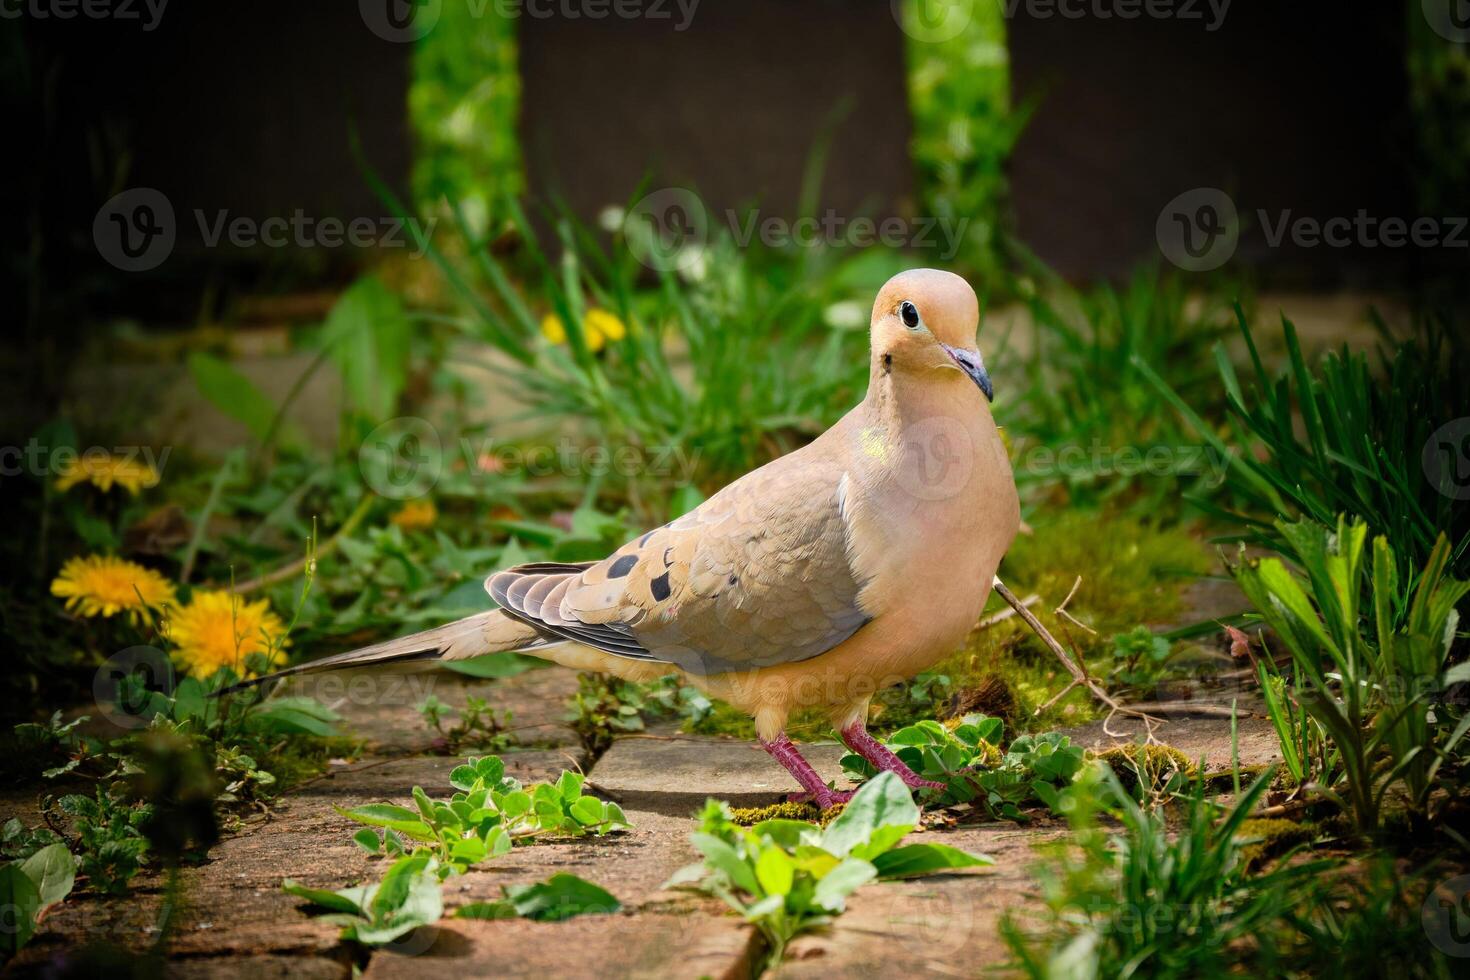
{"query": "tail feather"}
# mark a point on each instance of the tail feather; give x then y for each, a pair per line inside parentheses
(474, 636)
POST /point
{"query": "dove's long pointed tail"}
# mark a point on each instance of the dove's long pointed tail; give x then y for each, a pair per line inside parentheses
(473, 636)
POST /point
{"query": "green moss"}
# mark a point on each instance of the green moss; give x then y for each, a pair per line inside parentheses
(1271, 837)
(301, 758)
(804, 726)
(1132, 572)
(723, 720)
(750, 816)
(1156, 764)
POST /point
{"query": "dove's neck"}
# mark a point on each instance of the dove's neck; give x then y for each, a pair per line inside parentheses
(896, 400)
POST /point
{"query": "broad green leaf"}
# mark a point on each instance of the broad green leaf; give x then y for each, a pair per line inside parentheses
(399, 884)
(560, 897)
(515, 804)
(883, 839)
(20, 901)
(491, 769)
(787, 833)
(425, 805)
(399, 818)
(832, 891)
(769, 905)
(295, 716)
(882, 801)
(815, 861)
(235, 395)
(503, 909)
(723, 857)
(569, 785)
(774, 870)
(918, 859)
(53, 871)
(497, 841)
(368, 840)
(470, 850)
(320, 896)
(368, 335)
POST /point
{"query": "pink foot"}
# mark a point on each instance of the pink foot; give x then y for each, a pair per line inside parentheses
(784, 751)
(856, 737)
(824, 801)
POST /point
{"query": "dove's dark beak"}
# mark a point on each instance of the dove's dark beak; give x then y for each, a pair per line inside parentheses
(969, 362)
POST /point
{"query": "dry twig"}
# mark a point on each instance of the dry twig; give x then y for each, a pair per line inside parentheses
(1078, 673)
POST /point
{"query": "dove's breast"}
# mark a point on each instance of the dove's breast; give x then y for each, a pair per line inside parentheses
(929, 509)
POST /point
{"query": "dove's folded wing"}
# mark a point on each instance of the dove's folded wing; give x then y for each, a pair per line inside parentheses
(757, 575)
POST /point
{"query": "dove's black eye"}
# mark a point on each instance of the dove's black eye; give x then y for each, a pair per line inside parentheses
(909, 313)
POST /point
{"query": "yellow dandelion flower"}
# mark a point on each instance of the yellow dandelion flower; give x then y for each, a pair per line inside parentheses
(553, 329)
(416, 515)
(104, 471)
(219, 629)
(605, 324)
(100, 585)
(598, 327)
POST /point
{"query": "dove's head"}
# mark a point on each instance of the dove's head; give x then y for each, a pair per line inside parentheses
(924, 324)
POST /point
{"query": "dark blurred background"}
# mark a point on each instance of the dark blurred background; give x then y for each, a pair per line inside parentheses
(1060, 130)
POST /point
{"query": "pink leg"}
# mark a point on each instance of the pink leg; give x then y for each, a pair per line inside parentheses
(856, 737)
(783, 750)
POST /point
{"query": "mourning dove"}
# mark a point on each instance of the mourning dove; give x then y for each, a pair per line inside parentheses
(817, 580)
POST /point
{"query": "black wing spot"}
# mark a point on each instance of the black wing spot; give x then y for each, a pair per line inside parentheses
(622, 566)
(734, 579)
(660, 587)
